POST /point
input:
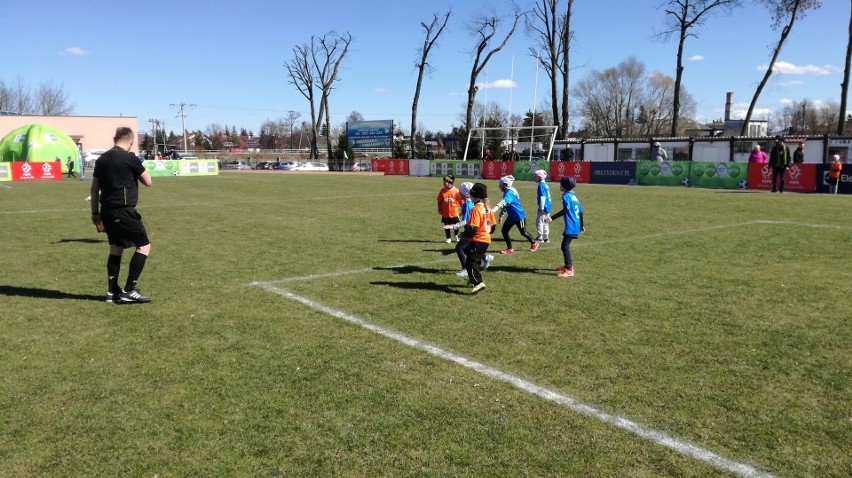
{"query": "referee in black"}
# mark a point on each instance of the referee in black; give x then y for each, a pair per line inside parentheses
(116, 179)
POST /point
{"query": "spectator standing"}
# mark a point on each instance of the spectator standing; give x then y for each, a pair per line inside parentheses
(799, 154)
(116, 182)
(779, 160)
(834, 174)
(70, 165)
(757, 155)
(658, 153)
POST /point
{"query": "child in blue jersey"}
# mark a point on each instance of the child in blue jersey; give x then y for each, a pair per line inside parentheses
(573, 212)
(466, 208)
(542, 227)
(511, 205)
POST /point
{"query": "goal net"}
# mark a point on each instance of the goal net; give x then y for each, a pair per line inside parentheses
(529, 142)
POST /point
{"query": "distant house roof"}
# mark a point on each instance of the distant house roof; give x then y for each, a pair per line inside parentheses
(249, 142)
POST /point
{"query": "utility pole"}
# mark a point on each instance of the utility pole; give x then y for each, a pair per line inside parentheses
(182, 115)
(154, 124)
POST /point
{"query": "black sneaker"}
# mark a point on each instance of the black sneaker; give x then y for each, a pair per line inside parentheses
(112, 296)
(133, 296)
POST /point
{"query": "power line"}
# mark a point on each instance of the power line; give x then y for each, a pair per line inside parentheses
(182, 115)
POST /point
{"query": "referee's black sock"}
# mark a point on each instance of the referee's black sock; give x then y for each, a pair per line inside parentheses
(113, 268)
(137, 263)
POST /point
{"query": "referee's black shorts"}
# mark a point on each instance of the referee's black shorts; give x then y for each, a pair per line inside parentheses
(124, 227)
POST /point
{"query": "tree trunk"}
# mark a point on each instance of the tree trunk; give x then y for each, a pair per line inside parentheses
(775, 53)
(844, 87)
(678, 78)
(565, 66)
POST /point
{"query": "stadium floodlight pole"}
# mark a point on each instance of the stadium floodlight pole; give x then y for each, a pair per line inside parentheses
(511, 84)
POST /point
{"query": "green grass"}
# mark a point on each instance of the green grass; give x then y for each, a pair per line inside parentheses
(717, 317)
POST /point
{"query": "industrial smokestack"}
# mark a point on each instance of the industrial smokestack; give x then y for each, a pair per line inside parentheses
(729, 103)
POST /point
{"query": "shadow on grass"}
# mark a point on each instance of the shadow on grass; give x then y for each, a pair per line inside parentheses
(84, 241)
(413, 241)
(447, 289)
(45, 293)
(411, 270)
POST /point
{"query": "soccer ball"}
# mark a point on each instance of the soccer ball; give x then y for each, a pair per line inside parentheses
(685, 181)
(743, 184)
(175, 173)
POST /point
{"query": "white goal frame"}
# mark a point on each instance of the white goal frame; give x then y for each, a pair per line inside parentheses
(507, 129)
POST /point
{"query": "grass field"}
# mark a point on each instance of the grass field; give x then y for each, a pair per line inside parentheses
(312, 325)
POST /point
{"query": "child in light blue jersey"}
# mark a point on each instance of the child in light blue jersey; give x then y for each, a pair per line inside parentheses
(511, 205)
(542, 227)
(573, 212)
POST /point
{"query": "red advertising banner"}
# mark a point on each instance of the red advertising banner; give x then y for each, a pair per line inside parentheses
(497, 169)
(396, 167)
(377, 164)
(580, 171)
(799, 178)
(36, 171)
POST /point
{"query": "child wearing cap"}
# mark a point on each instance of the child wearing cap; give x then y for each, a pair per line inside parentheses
(511, 205)
(834, 174)
(477, 229)
(542, 227)
(449, 205)
(573, 212)
(466, 208)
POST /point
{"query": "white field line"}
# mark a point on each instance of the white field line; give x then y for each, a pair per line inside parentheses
(660, 438)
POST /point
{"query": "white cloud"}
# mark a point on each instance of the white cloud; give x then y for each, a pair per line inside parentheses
(381, 90)
(791, 69)
(696, 58)
(74, 51)
(786, 101)
(792, 83)
(497, 85)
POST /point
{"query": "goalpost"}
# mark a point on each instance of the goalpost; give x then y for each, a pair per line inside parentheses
(510, 138)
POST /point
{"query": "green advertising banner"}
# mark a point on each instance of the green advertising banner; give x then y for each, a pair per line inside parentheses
(525, 170)
(459, 169)
(666, 173)
(719, 175)
(181, 167)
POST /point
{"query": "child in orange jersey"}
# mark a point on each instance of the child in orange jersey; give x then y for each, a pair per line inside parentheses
(478, 229)
(449, 205)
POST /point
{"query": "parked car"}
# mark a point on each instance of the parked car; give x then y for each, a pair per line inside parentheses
(310, 166)
(361, 166)
(264, 165)
(187, 156)
(236, 164)
(92, 155)
(284, 165)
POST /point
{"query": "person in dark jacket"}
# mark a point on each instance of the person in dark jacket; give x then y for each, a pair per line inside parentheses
(779, 161)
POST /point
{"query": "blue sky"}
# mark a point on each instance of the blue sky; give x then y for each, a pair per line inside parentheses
(226, 58)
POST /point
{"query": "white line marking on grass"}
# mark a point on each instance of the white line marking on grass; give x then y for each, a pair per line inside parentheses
(625, 424)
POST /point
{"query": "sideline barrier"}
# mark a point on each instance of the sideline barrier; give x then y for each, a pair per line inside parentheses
(718, 175)
(579, 170)
(799, 178)
(181, 167)
(843, 187)
(31, 171)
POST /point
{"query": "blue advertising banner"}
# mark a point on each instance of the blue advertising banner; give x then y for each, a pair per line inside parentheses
(370, 134)
(612, 173)
(844, 186)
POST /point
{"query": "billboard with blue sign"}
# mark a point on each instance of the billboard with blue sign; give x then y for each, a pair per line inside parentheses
(370, 134)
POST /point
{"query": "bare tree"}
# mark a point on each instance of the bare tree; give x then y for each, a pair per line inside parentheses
(423, 65)
(301, 75)
(844, 87)
(484, 28)
(783, 12)
(52, 100)
(625, 101)
(684, 16)
(327, 55)
(289, 121)
(552, 44)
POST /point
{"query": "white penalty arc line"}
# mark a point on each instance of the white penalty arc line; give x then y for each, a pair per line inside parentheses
(680, 446)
